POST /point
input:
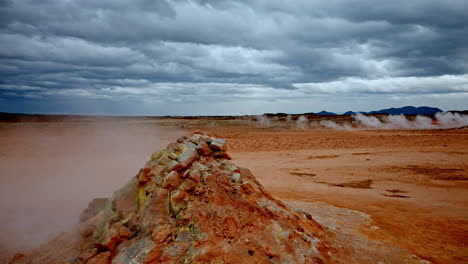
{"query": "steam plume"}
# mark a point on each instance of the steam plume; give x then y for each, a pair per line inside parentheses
(49, 172)
(442, 120)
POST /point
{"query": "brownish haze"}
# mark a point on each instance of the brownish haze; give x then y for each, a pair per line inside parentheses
(407, 189)
(50, 171)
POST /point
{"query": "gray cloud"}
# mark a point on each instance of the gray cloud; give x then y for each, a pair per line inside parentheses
(266, 53)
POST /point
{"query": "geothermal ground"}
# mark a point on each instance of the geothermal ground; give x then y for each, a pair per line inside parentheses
(402, 190)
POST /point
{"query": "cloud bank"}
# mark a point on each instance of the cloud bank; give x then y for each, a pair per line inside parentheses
(243, 57)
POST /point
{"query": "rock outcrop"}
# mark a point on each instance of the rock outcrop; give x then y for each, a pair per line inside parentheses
(190, 204)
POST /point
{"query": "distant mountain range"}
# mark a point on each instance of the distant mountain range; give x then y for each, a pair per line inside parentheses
(406, 110)
(325, 113)
(409, 110)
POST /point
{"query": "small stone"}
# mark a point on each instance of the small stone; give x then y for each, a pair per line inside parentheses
(165, 160)
(195, 175)
(157, 169)
(171, 181)
(86, 255)
(156, 155)
(132, 222)
(203, 148)
(172, 146)
(161, 233)
(174, 166)
(219, 144)
(221, 154)
(195, 138)
(111, 238)
(144, 175)
(125, 233)
(236, 177)
(199, 190)
(182, 139)
(173, 156)
(188, 185)
(189, 154)
(186, 174)
(179, 196)
(103, 258)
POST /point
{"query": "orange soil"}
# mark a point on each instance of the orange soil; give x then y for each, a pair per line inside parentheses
(418, 195)
(425, 171)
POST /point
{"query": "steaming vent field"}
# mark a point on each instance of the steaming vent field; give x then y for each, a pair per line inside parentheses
(275, 188)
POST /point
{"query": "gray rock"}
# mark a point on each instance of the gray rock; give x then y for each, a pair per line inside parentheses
(134, 252)
(219, 144)
(173, 155)
(195, 138)
(172, 147)
(174, 166)
(189, 154)
(165, 160)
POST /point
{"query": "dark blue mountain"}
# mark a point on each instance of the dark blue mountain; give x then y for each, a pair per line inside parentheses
(349, 113)
(409, 110)
(325, 113)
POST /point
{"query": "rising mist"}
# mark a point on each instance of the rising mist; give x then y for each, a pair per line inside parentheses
(50, 171)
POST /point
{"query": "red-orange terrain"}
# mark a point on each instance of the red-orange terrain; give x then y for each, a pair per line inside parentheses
(269, 195)
(412, 185)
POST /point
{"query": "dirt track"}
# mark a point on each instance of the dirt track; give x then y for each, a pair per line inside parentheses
(412, 184)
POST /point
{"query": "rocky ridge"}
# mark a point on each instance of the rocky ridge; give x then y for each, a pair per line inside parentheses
(190, 204)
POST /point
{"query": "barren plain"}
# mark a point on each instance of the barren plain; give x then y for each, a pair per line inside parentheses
(402, 189)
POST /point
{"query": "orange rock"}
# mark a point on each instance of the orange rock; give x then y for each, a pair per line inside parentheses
(221, 154)
(16, 258)
(188, 185)
(195, 175)
(214, 213)
(111, 238)
(203, 148)
(103, 258)
(161, 233)
(144, 175)
(171, 181)
(179, 196)
(125, 200)
(125, 233)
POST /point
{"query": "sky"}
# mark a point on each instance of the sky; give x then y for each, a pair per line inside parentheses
(206, 57)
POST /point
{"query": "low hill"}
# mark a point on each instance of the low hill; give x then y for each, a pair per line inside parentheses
(408, 110)
(325, 113)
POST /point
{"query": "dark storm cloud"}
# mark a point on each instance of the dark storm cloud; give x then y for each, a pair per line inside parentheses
(244, 51)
